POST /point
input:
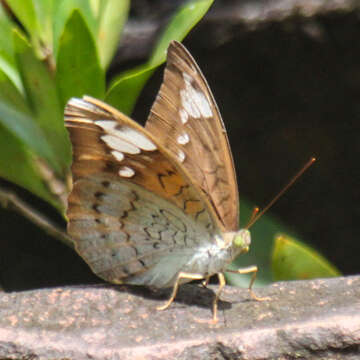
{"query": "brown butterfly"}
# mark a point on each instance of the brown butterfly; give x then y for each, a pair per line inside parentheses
(156, 206)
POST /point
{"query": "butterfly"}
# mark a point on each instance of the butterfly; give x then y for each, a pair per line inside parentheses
(156, 205)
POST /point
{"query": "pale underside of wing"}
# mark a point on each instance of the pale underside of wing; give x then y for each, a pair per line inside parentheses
(186, 120)
(130, 204)
(128, 234)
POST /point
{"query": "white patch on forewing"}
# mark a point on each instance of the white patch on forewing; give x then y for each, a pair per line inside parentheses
(194, 101)
(83, 104)
(188, 103)
(120, 145)
(107, 125)
(181, 155)
(137, 138)
(183, 116)
(203, 104)
(126, 171)
(119, 156)
(187, 78)
(128, 134)
(183, 139)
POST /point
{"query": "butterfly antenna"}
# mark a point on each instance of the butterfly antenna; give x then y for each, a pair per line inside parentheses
(255, 217)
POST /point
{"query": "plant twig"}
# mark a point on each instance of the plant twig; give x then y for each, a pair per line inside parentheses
(10, 201)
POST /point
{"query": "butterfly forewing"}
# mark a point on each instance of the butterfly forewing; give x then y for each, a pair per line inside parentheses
(187, 122)
(131, 203)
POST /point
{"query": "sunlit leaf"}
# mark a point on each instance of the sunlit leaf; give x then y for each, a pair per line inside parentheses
(63, 10)
(25, 12)
(7, 54)
(112, 17)
(44, 15)
(43, 99)
(26, 130)
(126, 88)
(293, 260)
(18, 166)
(78, 69)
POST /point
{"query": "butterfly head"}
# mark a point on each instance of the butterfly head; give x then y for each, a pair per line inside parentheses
(241, 241)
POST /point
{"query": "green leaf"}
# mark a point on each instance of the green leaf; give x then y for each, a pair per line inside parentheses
(25, 12)
(78, 68)
(11, 95)
(112, 17)
(44, 15)
(17, 165)
(180, 25)
(124, 92)
(63, 10)
(293, 260)
(126, 88)
(26, 130)
(43, 99)
(7, 53)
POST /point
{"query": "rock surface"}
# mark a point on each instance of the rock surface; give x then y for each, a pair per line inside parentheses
(317, 319)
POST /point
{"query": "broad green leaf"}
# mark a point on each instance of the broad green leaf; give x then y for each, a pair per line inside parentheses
(25, 12)
(293, 260)
(10, 94)
(7, 54)
(112, 17)
(43, 98)
(124, 92)
(95, 6)
(44, 14)
(181, 24)
(78, 69)
(17, 165)
(63, 10)
(126, 88)
(25, 129)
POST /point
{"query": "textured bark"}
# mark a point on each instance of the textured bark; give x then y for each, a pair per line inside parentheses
(317, 319)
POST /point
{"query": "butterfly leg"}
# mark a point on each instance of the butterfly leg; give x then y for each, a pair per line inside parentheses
(181, 275)
(222, 283)
(205, 282)
(250, 269)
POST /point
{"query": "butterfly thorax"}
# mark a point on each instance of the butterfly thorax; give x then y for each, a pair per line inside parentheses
(212, 258)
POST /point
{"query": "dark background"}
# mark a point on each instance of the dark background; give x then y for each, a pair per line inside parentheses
(287, 83)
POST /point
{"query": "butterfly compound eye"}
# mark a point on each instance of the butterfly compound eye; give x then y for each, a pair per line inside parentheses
(242, 239)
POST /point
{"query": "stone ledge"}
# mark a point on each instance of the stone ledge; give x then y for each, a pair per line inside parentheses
(317, 319)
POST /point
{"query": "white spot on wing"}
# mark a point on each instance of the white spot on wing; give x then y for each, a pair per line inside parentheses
(137, 138)
(183, 139)
(187, 78)
(181, 155)
(188, 103)
(184, 117)
(120, 145)
(83, 104)
(107, 125)
(126, 171)
(128, 134)
(194, 101)
(118, 155)
(203, 104)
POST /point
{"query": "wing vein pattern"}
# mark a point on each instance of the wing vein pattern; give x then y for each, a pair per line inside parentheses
(134, 215)
(186, 119)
